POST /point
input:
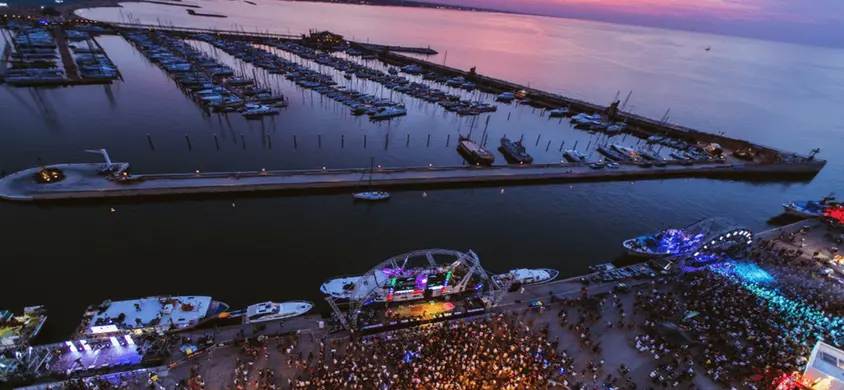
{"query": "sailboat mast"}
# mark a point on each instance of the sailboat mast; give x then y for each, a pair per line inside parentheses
(371, 169)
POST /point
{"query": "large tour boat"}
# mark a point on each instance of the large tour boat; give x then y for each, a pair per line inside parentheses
(525, 276)
(474, 153)
(17, 331)
(159, 314)
(810, 208)
(705, 235)
(272, 311)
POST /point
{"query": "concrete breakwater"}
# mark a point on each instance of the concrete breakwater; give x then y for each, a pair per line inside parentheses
(84, 181)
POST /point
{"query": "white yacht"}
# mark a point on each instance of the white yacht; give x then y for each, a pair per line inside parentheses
(574, 156)
(506, 97)
(558, 112)
(586, 119)
(388, 112)
(525, 276)
(160, 314)
(272, 311)
(257, 110)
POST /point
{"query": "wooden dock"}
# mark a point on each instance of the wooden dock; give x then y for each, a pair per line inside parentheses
(70, 69)
(82, 181)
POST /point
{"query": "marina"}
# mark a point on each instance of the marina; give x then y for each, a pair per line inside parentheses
(236, 142)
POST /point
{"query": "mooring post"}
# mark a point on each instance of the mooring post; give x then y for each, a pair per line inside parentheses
(447, 140)
(342, 141)
(151, 146)
(537, 139)
(624, 138)
(589, 144)
(386, 140)
(575, 144)
(364, 141)
(561, 145)
(190, 147)
(428, 145)
(270, 141)
(508, 115)
(216, 141)
(548, 146)
(295, 144)
(319, 140)
(407, 143)
(243, 140)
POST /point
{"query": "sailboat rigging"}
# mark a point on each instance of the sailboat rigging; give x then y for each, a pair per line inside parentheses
(369, 194)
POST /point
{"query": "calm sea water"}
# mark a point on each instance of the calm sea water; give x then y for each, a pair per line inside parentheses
(245, 250)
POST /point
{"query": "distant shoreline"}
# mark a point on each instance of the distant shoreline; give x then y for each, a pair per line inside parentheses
(69, 9)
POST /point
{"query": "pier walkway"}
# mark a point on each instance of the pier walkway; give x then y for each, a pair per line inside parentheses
(83, 181)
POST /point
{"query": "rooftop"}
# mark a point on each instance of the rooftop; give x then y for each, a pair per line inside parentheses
(148, 312)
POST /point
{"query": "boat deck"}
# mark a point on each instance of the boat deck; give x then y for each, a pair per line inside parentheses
(82, 181)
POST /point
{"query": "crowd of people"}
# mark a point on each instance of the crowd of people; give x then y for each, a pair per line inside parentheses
(746, 324)
(738, 325)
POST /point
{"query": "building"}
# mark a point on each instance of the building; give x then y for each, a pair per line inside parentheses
(324, 39)
(825, 369)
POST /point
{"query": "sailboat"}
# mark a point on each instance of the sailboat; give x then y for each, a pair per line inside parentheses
(371, 195)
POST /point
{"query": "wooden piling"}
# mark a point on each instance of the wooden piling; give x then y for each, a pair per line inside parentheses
(295, 144)
(319, 140)
(269, 141)
(386, 141)
(216, 141)
(447, 140)
(342, 141)
(364, 141)
(561, 145)
(548, 146)
(243, 140)
(428, 145)
(537, 139)
(151, 146)
(190, 147)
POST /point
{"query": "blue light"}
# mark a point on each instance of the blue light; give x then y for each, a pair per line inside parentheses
(745, 272)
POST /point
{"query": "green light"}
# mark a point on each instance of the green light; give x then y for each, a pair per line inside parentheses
(393, 282)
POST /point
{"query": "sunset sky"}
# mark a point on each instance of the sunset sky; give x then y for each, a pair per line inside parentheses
(802, 21)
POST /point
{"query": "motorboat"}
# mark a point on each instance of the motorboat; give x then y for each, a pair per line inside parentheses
(811, 208)
(584, 119)
(251, 110)
(514, 151)
(388, 112)
(525, 276)
(615, 127)
(649, 154)
(625, 151)
(613, 165)
(506, 97)
(272, 311)
(708, 234)
(473, 152)
(612, 154)
(574, 156)
(558, 112)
